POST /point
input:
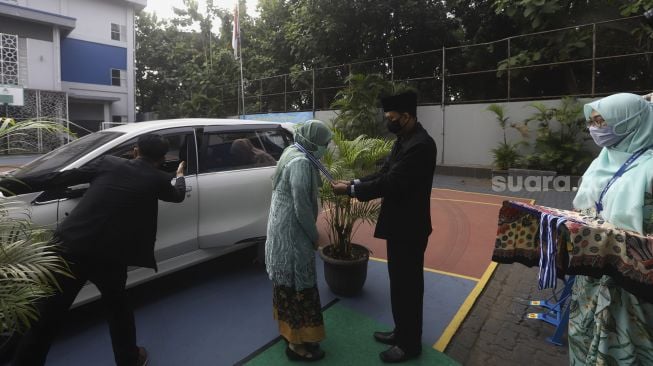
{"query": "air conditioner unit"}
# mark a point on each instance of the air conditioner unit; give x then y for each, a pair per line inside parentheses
(11, 95)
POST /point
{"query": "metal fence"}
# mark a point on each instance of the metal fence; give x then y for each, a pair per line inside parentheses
(486, 72)
(38, 105)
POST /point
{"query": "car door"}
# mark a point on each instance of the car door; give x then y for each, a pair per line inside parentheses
(42, 207)
(177, 222)
(235, 184)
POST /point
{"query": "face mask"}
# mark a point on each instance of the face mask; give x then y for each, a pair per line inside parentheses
(321, 150)
(605, 136)
(394, 126)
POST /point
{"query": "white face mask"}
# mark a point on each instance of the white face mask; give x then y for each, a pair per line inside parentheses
(605, 136)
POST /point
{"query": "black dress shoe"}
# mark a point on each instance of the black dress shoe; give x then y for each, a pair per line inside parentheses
(386, 337)
(142, 357)
(395, 355)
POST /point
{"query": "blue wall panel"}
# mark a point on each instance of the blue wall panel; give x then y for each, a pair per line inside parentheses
(293, 117)
(89, 62)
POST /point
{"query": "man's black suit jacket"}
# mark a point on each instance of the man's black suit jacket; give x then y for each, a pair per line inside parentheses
(116, 219)
(405, 183)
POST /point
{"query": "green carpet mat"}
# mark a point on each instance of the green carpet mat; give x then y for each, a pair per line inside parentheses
(349, 342)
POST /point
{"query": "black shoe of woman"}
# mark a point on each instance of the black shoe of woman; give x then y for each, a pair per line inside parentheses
(308, 356)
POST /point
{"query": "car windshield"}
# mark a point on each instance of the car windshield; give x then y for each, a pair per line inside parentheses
(66, 154)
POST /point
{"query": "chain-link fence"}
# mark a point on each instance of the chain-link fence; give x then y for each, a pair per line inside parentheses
(584, 61)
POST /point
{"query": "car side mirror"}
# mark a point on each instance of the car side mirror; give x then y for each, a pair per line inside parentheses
(60, 194)
(75, 191)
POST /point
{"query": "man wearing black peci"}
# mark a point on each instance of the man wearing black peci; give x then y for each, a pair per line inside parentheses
(113, 226)
(404, 182)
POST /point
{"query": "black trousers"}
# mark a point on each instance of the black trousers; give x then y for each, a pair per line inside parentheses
(110, 279)
(406, 270)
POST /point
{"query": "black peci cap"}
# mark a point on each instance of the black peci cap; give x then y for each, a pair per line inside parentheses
(401, 103)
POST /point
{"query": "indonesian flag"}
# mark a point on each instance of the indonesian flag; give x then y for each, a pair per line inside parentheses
(235, 36)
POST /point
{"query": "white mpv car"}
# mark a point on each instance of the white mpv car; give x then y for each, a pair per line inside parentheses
(227, 197)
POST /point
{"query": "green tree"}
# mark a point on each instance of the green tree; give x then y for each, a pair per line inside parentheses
(559, 147)
(358, 105)
(181, 72)
(572, 44)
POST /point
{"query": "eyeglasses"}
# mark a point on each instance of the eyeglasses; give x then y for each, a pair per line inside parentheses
(596, 121)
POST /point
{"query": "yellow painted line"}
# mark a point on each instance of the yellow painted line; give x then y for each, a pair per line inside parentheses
(379, 259)
(532, 201)
(435, 271)
(452, 274)
(465, 308)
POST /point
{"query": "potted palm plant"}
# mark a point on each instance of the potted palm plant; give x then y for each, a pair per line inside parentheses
(28, 259)
(506, 155)
(345, 262)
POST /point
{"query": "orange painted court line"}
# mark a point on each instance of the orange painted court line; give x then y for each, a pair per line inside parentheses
(460, 203)
(469, 302)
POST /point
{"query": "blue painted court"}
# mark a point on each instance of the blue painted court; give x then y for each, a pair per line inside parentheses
(220, 312)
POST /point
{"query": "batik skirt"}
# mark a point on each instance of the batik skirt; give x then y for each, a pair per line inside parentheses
(608, 325)
(299, 314)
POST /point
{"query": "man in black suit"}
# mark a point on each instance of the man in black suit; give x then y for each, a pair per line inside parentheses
(404, 182)
(113, 227)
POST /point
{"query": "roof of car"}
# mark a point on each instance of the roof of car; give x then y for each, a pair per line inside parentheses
(182, 122)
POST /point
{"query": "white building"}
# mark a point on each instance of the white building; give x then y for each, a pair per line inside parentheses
(73, 59)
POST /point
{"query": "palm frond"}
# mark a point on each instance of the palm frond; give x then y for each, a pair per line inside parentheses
(347, 159)
(29, 260)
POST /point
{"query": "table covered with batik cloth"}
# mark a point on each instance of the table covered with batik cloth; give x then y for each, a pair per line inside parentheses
(563, 242)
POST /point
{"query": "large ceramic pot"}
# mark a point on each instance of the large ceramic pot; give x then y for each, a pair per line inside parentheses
(345, 277)
(8, 344)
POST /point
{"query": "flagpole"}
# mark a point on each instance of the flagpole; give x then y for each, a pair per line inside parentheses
(240, 51)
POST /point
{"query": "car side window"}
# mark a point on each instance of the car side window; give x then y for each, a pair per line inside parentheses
(182, 148)
(223, 151)
(275, 141)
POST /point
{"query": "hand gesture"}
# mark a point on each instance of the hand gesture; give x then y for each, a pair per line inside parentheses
(340, 188)
(181, 168)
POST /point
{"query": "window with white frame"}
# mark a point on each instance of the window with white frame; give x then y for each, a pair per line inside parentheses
(8, 59)
(115, 77)
(118, 32)
(118, 77)
(115, 32)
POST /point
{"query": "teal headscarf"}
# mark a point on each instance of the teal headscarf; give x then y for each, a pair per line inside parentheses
(631, 116)
(312, 135)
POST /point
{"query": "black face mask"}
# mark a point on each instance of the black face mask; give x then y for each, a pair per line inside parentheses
(394, 126)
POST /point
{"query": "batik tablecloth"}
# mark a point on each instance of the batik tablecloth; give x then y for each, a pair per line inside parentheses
(584, 245)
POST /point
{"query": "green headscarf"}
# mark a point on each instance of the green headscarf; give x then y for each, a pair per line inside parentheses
(311, 134)
(629, 115)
